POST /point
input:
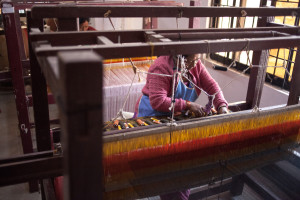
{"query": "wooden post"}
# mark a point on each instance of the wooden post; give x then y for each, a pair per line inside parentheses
(258, 74)
(257, 78)
(80, 104)
(295, 82)
(15, 54)
(39, 96)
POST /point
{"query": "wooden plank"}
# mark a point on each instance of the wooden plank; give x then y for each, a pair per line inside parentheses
(295, 82)
(221, 35)
(15, 54)
(73, 11)
(175, 48)
(27, 170)
(81, 123)
(25, 157)
(40, 105)
(257, 78)
(258, 74)
(126, 36)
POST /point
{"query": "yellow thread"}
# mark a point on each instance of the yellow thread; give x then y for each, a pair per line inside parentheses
(131, 126)
(200, 132)
(136, 143)
(154, 119)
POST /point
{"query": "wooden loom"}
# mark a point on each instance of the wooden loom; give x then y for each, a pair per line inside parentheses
(148, 160)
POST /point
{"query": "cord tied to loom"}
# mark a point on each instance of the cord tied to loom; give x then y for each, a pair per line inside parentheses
(107, 15)
(243, 13)
(208, 49)
(180, 13)
(172, 107)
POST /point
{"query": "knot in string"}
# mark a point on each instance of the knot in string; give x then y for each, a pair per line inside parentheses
(209, 104)
(243, 13)
(107, 13)
(180, 14)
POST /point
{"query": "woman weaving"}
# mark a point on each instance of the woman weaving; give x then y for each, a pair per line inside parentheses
(157, 93)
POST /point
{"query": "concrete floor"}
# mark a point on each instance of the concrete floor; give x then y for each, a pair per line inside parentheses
(10, 143)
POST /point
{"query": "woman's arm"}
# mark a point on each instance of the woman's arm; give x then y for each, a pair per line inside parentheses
(208, 84)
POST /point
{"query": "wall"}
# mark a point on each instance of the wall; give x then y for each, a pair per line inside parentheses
(137, 23)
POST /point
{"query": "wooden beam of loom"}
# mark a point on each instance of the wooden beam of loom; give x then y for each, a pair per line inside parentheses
(175, 48)
(84, 38)
(152, 161)
(74, 11)
(158, 162)
(137, 175)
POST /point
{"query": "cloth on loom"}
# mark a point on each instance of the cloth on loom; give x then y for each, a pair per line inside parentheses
(117, 80)
(159, 88)
(114, 98)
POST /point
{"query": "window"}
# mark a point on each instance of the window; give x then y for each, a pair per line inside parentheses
(283, 57)
(278, 57)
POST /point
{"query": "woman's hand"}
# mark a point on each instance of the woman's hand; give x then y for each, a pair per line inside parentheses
(197, 109)
(223, 110)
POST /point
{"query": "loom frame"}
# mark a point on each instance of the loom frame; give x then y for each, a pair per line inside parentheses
(18, 64)
(162, 47)
(68, 106)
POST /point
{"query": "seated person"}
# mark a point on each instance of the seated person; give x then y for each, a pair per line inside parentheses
(84, 25)
(157, 93)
